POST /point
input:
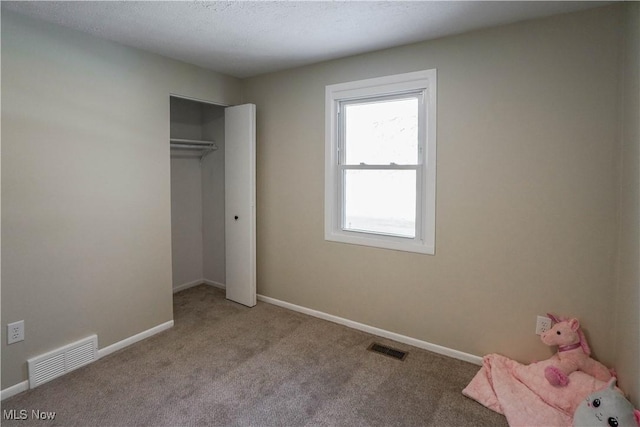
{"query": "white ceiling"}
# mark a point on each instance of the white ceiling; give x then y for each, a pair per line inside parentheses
(247, 38)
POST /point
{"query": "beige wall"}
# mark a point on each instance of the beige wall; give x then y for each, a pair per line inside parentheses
(627, 305)
(86, 229)
(186, 194)
(527, 185)
(186, 220)
(213, 232)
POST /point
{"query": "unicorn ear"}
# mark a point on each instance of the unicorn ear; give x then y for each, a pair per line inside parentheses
(574, 324)
(553, 317)
(636, 415)
(612, 383)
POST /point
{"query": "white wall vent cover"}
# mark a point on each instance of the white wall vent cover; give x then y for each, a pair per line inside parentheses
(58, 362)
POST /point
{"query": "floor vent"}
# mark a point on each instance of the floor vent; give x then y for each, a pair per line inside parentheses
(58, 362)
(388, 351)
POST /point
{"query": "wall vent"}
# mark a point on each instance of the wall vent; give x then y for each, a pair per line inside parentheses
(65, 359)
(387, 351)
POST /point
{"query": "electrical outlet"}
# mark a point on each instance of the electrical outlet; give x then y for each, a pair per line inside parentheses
(15, 332)
(543, 324)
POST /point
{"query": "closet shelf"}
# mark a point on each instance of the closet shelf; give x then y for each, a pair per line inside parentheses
(205, 147)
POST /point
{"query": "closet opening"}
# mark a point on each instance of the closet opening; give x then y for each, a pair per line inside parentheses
(213, 211)
(197, 193)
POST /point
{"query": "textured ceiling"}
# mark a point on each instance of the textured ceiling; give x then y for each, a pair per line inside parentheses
(247, 38)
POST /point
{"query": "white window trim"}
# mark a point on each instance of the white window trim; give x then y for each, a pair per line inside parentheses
(419, 80)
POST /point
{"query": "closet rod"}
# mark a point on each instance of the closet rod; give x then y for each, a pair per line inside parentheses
(211, 147)
(190, 141)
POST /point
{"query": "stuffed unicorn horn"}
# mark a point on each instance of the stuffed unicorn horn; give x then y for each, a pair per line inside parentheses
(573, 353)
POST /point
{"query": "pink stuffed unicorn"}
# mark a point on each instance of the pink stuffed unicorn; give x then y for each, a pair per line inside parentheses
(573, 353)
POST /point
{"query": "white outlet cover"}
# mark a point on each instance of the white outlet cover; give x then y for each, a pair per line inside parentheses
(15, 332)
(543, 324)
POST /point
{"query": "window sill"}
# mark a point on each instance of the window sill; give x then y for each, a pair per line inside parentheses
(382, 242)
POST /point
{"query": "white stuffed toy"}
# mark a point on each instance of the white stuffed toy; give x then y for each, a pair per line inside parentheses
(606, 407)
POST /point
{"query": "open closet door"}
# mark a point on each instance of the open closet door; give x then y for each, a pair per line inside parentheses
(240, 203)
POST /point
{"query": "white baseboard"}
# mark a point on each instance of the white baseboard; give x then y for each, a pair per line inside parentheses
(445, 351)
(134, 339)
(199, 282)
(214, 283)
(187, 285)
(24, 386)
(14, 389)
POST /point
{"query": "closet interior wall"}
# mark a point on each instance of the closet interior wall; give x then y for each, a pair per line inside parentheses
(197, 196)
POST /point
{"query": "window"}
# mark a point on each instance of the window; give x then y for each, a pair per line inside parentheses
(380, 162)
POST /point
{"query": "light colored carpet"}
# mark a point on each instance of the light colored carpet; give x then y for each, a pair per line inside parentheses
(228, 365)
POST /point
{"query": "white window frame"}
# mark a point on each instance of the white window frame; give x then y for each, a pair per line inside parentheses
(423, 82)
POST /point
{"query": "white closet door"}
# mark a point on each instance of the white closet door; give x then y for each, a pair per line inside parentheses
(240, 203)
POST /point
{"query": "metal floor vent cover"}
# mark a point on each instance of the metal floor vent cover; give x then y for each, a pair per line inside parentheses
(388, 351)
(65, 359)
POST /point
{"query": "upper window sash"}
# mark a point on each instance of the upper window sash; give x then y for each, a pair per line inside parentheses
(340, 108)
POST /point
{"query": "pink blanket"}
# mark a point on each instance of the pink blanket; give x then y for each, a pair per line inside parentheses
(522, 394)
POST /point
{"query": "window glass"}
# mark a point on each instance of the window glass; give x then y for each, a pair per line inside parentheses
(381, 132)
(381, 201)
